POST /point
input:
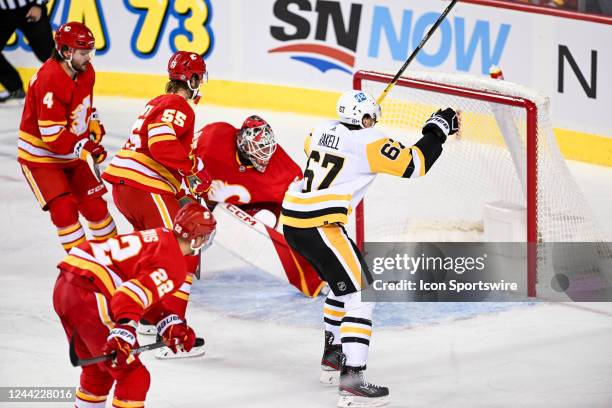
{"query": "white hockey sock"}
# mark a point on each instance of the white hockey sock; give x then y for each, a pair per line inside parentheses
(333, 311)
(356, 329)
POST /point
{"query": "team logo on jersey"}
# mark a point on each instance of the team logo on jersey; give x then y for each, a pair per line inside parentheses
(223, 192)
(341, 286)
(80, 117)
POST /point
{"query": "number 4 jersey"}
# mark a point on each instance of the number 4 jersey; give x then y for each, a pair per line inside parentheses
(133, 271)
(342, 163)
(158, 148)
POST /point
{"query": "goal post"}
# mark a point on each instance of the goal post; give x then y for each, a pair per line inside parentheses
(505, 151)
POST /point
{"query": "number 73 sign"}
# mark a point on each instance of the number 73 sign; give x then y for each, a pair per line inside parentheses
(187, 20)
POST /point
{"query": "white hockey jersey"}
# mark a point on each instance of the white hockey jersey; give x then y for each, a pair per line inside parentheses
(341, 165)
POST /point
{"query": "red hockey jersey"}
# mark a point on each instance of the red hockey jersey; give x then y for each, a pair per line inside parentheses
(236, 183)
(159, 147)
(55, 115)
(133, 271)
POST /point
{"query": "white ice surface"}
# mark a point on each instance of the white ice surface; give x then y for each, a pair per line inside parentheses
(264, 342)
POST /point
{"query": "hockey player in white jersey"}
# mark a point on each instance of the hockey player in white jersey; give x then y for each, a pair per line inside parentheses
(344, 157)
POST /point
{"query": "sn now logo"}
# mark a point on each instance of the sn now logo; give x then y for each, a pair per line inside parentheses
(305, 27)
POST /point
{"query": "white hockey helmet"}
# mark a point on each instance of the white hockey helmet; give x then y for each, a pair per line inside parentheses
(256, 140)
(354, 105)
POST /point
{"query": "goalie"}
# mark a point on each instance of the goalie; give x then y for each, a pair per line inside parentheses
(250, 171)
(248, 167)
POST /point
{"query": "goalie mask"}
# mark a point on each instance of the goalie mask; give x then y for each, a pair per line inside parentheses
(256, 141)
(354, 105)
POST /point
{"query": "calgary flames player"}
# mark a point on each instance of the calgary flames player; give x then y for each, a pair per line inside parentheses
(249, 169)
(59, 139)
(104, 288)
(146, 173)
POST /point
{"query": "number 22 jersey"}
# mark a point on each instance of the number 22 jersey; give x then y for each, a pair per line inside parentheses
(133, 271)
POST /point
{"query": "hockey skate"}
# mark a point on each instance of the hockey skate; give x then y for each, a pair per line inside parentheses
(197, 350)
(356, 392)
(331, 362)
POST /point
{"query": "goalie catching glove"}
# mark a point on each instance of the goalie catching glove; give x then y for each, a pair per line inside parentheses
(198, 181)
(175, 332)
(442, 123)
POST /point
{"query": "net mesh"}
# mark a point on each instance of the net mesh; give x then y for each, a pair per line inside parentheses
(484, 163)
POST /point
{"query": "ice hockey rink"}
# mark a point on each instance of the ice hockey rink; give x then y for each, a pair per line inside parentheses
(264, 340)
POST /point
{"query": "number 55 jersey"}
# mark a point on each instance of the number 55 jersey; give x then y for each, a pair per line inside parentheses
(133, 271)
(342, 163)
(157, 149)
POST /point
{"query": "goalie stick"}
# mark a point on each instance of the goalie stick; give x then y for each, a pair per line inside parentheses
(416, 51)
(78, 362)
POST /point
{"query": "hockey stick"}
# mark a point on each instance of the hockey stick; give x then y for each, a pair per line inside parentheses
(77, 362)
(415, 52)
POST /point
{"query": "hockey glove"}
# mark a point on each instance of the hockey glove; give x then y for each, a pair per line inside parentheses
(442, 123)
(121, 341)
(198, 181)
(96, 128)
(175, 332)
(84, 148)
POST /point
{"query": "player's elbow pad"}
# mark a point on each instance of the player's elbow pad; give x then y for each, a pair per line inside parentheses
(431, 147)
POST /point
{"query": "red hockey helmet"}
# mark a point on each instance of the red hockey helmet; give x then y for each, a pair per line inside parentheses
(183, 65)
(194, 221)
(74, 35)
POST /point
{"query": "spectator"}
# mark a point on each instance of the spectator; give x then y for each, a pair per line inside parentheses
(30, 17)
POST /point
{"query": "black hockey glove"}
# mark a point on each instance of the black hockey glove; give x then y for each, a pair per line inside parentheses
(442, 123)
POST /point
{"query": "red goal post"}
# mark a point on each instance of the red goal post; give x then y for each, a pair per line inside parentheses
(485, 96)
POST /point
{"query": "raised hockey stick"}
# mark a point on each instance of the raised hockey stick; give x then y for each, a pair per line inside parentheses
(391, 84)
(77, 362)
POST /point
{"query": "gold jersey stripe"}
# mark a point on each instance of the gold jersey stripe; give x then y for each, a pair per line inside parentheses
(94, 268)
(343, 248)
(132, 295)
(51, 122)
(380, 163)
(160, 138)
(33, 185)
(151, 164)
(139, 178)
(317, 199)
(181, 295)
(54, 137)
(163, 210)
(22, 154)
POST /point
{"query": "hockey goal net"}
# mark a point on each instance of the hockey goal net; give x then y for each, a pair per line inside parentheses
(504, 155)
